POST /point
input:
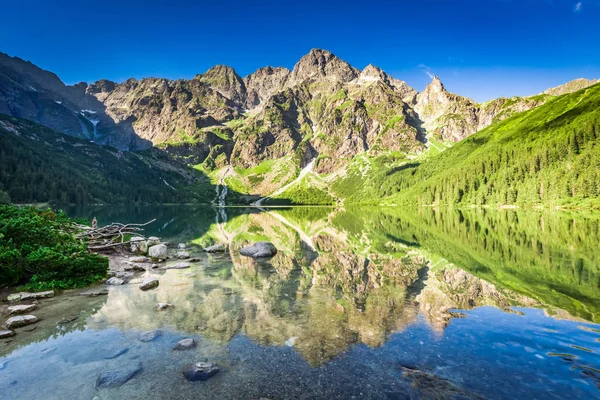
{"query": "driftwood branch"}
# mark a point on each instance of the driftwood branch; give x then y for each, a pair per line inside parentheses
(108, 236)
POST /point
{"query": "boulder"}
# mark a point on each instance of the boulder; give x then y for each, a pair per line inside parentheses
(185, 344)
(134, 267)
(30, 296)
(6, 333)
(259, 250)
(138, 245)
(217, 248)
(200, 371)
(163, 306)
(152, 241)
(20, 309)
(149, 283)
(118, 377)
(158, 251)
(181, 246)
(195, 259)
(115, 281)
(19, 321)
(179, 265)
(182, 255)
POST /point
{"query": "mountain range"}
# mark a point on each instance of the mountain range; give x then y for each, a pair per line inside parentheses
(292, 136)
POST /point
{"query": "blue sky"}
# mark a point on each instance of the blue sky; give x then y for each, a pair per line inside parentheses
(482, 49)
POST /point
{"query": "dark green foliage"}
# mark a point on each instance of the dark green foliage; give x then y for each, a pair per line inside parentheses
(547, 156)
(36, 249)
(40, 165)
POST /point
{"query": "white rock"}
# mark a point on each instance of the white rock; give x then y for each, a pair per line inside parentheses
(115, 281)
(152, 241)
(181, 246)
(158, 251)
(6, 334)
(139, 259)
(182, 255)
(21, 309)
(179, 265)
(138, 245)
(185, 344)
(163, 306)
(149, 283)
(30, 296)
(20, 320)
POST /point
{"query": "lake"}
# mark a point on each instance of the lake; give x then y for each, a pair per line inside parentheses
(364, 303)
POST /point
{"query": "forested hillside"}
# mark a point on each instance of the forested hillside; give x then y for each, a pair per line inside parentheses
(546, 156)
(41, 165)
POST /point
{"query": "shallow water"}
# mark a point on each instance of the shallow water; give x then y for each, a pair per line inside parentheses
(358, 303)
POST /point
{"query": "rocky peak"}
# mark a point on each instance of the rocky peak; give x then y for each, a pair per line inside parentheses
(264, 83)
(372, 73)
(226, 81)
(321, 64)
(570, 87)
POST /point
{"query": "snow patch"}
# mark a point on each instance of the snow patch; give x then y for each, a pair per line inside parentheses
(167, 183)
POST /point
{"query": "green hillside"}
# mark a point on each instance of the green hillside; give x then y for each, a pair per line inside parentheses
(547, 156)
(38, 165)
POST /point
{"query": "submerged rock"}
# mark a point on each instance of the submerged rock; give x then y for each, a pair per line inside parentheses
(149, 336)
(200, 371)
(115, 281)
(259, 250)
(217, 248)
(20, 309)
(116, 353)
(182, 255)
(140, 259)
(195, 259)
(95, 293)
(180, 265)
(30, 296)
(134, 267)
(158, 251)
(20, 320)
(163, 306)
(6, 333)
(118, 377)
(185, 344)
(149, 283)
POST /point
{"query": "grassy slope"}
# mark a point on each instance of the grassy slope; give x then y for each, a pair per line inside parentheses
(549, 155)
(40, 165)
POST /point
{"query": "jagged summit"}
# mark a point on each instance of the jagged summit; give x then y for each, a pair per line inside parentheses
(226, 81)
(319, 64)
(571, 86)
(371, 73)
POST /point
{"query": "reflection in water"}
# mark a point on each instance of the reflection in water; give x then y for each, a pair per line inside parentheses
(361, 288)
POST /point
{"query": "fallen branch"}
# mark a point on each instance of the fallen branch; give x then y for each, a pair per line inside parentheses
(109, 236)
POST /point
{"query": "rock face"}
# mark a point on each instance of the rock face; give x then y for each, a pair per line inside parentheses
(21, 309)
(19, 321)
(149, 283)
(263, 84)
(259, 250)
(158, 251)
(200, 371)
(117, 377)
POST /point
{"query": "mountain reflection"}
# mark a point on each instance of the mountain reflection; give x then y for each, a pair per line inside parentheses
(344, 277)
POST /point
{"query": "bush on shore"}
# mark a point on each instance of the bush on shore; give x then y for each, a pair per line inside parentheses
(39, 250)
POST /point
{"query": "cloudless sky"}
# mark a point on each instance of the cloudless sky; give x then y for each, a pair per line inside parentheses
(479, 48)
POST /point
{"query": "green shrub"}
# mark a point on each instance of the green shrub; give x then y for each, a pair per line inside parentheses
(38, 250)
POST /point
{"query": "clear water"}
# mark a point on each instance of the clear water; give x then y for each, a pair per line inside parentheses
(358, 303)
